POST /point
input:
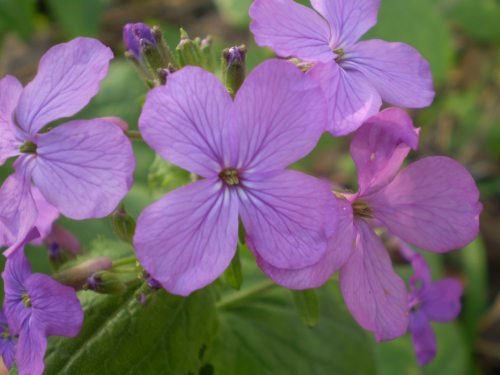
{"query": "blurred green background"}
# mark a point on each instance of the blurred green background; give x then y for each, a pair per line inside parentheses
(461, 40)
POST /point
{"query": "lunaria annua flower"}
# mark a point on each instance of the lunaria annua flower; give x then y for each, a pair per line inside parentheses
(83, 167)
(355, 75)
(432, 204)
(36, 306)
(8, 341)
(241, 149)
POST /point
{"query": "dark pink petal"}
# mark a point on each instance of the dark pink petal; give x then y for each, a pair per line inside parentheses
(288, 218)
(84, 168)
(373, 292)
(380, 146)
(291, 29)
(18, 211)
(280, 114)
(10, 90)
(55, 310)
(351, 99)
(399, 73)
(423, 338)
(68, 76)
(348, 19)
(30, 351)
(188, 121)
(441, 302)
(47, 214)
(188, 238)
(432, 204)
(338, 251)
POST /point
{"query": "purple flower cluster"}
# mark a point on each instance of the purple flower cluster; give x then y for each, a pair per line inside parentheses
(299, 231)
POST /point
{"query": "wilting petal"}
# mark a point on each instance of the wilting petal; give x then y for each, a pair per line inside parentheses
(351, 99)
(55, 310)
(68, 76)
(10, 90)
(47, 214)
(188, 238)
(30, 351)
(348, 19)
(280, 114)
(288, 217)
(188, 121)
(432, 204)
(423, 338)
(18, 211)
(338, 251)
(399, 73)
(373, 292)
(380, 146)
(84, 168)
(441, 302)
(291, 29)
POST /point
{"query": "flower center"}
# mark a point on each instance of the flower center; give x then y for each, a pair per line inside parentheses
(362, 209)
(26, 300)
(230, 176)
(28, 148)
(339, 52)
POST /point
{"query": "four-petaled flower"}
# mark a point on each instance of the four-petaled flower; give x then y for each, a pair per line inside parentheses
(188, 238)
(433, 204)
(84, 167)
(355, 76)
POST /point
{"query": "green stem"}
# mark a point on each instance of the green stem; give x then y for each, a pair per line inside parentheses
(126, 270)
(124, 261)
(236, 298)
(133, 135)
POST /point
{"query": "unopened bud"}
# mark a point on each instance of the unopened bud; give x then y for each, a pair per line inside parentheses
(233, 67)
(77, 276)
(123, 224)
(190, 52)
(106, 283)
(135, 34)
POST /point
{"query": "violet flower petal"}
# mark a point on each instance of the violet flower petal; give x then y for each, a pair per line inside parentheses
(351, 99)
(399, 73)
(423, 338)
(291, 29)
(10, 90)
(432, 204)
(30, 351)
(188, 238)
(188, 121)
(84, 168)
(47, 215)
(280, 114)
(441, 301)
(68, 76)
(375, 295)
(288, 217)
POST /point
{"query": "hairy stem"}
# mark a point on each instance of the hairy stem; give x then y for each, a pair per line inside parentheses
(238, 297)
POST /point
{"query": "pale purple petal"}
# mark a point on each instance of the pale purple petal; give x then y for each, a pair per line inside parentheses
(348, 19)
(432, 204)
(441, 302)
(8, 351)
(338, 251)
(422, 272)
(288, 217)
(291, 29)
(55, 310)
(30, 351)
(423, 338)
(375, 295)
(188, 238)
(351, 99)
(399, 73)
(47, 214)
(10, 90)
(68, 76)
(280, 114)
(18, 211)
(380, 146)
(84, 168)
(188, 121)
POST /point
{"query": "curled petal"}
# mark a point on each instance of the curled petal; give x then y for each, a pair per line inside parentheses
(10, 90)
(68, 76)
(188, 238)
(47, 215)
(441, 302)
(432, 204)
(291, 29)
(288, 217)
(84, 168)
(30, 351)
(423, 338)
(373, 292)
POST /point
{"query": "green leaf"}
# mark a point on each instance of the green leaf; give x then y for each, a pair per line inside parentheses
(165, 176)
(167, 335)
(307, 304)
(233, 274)
(77, 17)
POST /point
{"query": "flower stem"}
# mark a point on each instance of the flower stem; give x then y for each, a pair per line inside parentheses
(238, 297)
(124, 261)
(134, 135)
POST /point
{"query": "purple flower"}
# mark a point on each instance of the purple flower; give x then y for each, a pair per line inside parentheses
(135, 34)
(433, 204)
(439, 302)
(355, 75)
(83, 167)
(240, 148)
(36, 306)
(8, 342)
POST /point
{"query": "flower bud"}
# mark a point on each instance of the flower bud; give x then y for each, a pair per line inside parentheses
(77, 276)
(123, 224)
(106, 283)
(233, 67)
(195, 52)
(135, 34)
